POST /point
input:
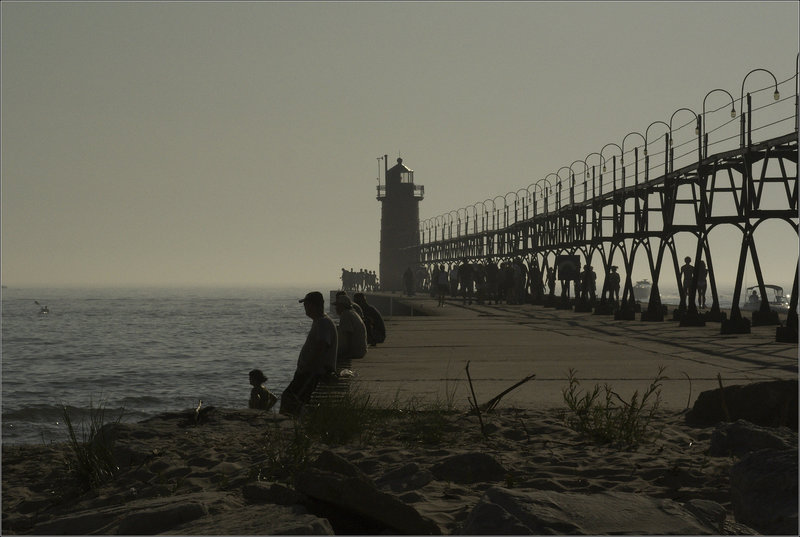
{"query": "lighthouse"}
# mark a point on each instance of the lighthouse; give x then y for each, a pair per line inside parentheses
(399, 198)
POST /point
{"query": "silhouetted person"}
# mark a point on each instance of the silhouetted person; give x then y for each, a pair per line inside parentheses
(588, 283)
(408, 281)
(260, 397)
(317, 357)
(442, 285)
(687, 273)
(613, 283)
(492, 277)
(465, 279)
(355, 306)
(454, 281)
(754, 298)
(373, 321)
(551, 280)
(702, 283)
(352, 333)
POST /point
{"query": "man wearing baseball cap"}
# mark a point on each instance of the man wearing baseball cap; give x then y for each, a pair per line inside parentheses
(317, 357)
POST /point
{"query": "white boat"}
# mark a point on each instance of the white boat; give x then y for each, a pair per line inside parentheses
(775, 297)
(641, 291)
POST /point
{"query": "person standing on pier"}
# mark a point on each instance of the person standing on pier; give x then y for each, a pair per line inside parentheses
(551, 281)
(702, 283)
(442, 285)
(687, 274)
(465, 279)
(408, 281)
(613, 284)
(317, 357)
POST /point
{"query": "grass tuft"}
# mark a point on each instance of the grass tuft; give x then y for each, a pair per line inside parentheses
(94, 462)
(605, 416)
(353, 417)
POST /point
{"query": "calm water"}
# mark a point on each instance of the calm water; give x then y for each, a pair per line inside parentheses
(142, 350)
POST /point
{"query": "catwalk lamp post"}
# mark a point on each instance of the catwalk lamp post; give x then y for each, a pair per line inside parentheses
(439, 230)
(647, 156)
(465, 219)
(506, 207)
(775, 95)
(613, 165)
(696, 131)
(427, 226)
(603, 165)
(703, 121)
(477, 216)
(450, 223)
(532, 195)
(560, 186)
(548, 190)
(524, 205)
(796, 93)
(496, 214)
(635, 158)
(585, 176)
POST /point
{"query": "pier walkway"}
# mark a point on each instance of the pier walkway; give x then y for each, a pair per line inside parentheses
(424, 357)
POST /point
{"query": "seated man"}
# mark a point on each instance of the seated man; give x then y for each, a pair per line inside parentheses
(317, 357)
(352, 334)
(376, 329)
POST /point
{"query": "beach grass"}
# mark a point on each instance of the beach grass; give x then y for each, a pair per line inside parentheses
(286, 453)
(603, 415)
(354, 417)
(94, 462)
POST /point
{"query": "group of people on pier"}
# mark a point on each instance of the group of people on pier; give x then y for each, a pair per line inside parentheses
(361, 280)
(688, 279)
(515, 282)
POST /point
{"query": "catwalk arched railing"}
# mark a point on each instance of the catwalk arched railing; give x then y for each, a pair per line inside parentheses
(624, 196)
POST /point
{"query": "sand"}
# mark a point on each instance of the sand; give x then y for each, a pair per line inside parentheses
(217, 477)
(211, 463)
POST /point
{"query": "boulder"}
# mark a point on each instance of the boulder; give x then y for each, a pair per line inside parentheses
(161, 519)
(742, 437)
(408, 477)
(329, 461)
(145, 517)
(764, 491)
(263, 492)
(769, 404)
(354, 496)
(711, 513)
(258, 519)
(469, 468)
(534, 512)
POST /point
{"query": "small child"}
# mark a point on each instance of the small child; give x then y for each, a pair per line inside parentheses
(260, 397)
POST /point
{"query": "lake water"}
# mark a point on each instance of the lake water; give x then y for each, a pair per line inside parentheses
(141, 351)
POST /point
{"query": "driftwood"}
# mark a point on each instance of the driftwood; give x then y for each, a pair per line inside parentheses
(491, 403)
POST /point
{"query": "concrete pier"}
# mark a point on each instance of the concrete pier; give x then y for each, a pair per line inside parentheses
(424, 357)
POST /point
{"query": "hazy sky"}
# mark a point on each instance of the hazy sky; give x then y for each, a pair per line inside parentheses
(236, 143)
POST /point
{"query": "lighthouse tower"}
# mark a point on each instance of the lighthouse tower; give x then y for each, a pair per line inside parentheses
(399, 198)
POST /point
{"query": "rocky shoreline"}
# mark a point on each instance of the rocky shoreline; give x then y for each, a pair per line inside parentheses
(527, 473)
